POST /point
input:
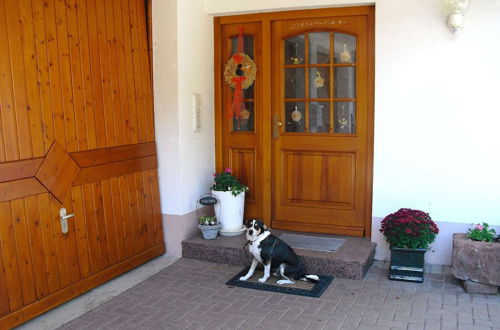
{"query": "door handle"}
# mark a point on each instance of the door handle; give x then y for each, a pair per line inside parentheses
(276, 129)
(64, 220)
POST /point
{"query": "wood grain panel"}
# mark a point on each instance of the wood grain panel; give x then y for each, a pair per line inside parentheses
(20, 188)
(71, 243)
(148, 205)
(24, 259)
(242, 162)
(57, 172)
(18, 80)
(81, 231)
(37, 247)
(19, 170)
(102, 240)
(309, 177)
(4, 297)
(119, 218)
(49, 243)
(134, 213)
(60, 243)
(155, 191)
(90, 222)
(127, 216)
(109, 221)
(106, 171)
(9, 253)
(33, 105)
(8, 112)
(116, 154)
(43, 74)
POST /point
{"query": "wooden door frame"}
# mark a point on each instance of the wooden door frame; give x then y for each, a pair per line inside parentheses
(266, 138)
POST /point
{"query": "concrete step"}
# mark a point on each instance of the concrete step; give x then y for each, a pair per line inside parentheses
(350, 261)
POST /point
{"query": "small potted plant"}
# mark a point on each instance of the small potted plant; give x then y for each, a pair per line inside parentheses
(409, 233)
(230, 206)
(209, 226)
(476, 259)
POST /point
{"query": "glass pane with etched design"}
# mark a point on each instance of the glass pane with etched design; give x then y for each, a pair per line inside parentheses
(246, 120)
(295, 83)
(345, 82)
(319, 48)
(319, 117)
(344, 48)
(345, 117)
(295, 50)
(294, 116)
(319, 83)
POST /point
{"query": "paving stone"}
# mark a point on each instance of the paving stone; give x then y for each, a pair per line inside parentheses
(191, 294)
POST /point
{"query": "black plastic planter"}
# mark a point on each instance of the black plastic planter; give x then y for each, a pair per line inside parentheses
(407, 264)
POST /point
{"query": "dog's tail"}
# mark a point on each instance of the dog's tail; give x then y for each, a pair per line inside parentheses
(310, 278)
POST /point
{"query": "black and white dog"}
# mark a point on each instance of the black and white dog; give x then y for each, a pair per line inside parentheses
(276, 256)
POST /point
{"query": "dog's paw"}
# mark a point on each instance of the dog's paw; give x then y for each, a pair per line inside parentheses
(262, 279)
(243, 278)
(281, 282)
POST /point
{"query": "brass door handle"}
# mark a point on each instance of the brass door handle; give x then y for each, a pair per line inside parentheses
(276, 129)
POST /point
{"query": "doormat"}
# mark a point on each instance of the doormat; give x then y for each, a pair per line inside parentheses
(299, 288)
(308, 242)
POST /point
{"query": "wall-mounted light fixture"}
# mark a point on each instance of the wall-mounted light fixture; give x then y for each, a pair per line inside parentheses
(455, 10)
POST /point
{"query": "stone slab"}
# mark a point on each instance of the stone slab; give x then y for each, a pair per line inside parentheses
(476, 261)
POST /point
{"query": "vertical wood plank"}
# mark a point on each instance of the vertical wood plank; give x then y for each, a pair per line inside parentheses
(31, 68)
(7, 106)
(9, 251)
(18, 79)
(105, 73)
(65, 71)
(136, 60)
(113, 69)
(4, 295)
(122, 71)
(37, 246)
(54, 72)
(143, 224)
(43, 74)
(83, 37)
(49, 243)
(23, 250)
(117, 211)
(145, 71)
(81, 231)
(95, 61)
(134, 213)
(102, 239)
(155, 191)
(148, 198)
(71, 244)
(126, 211)
(131, 95)
(76, 75)
(109, 221)
(93, 245)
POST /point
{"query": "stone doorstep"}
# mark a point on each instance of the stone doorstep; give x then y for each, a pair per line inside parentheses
(351, 261)
(475, 287)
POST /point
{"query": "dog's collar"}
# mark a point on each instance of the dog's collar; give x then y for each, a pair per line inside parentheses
(259, 238)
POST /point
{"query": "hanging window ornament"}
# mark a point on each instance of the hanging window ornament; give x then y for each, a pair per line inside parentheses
(239, 74)
(296, 116)
(296, 59)
(345, 56)
(319, 81)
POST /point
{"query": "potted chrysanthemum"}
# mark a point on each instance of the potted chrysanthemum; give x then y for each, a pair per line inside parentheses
(230, 194)
(409, 233)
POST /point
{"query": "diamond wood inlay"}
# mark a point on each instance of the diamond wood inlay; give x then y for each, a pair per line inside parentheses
(57, 172)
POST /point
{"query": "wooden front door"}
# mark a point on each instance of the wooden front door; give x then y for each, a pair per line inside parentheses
(320, 118)
(306, 149)
(76, 132)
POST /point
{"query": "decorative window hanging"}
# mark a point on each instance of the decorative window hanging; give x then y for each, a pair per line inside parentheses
(239, 74)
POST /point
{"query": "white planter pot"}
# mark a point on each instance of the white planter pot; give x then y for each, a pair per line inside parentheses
(229, 211)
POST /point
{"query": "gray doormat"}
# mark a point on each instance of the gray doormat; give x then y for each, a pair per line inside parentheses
(299, 288)
(312, 242)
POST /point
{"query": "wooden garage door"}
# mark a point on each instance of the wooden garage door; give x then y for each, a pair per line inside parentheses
(76, 131)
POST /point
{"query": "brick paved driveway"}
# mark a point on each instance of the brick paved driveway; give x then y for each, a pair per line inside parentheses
(191, 294)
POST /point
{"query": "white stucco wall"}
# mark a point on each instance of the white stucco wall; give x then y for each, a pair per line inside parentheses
(437, 141)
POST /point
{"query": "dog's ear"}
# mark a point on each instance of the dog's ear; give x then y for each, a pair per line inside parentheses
(248, 223)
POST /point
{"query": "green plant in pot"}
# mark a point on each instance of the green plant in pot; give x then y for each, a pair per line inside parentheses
(409, 233)
(209, 226)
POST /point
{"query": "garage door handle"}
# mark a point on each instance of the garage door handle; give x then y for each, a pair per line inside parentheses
(64, 220)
